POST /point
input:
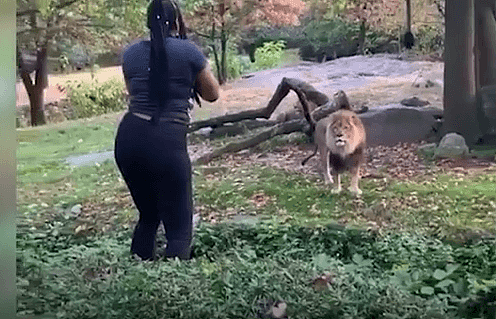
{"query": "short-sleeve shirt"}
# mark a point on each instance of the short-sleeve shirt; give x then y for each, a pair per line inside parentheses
(185, 62)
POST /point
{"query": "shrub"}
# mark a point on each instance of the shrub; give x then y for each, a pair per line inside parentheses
(269, 55)
(430, 39)
(236, 65)
(91, 99)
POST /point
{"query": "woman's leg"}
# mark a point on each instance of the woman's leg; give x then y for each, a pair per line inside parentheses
(132, 158)
(176, 207)
(156, 167)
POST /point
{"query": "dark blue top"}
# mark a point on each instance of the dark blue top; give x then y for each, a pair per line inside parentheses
(185, 62)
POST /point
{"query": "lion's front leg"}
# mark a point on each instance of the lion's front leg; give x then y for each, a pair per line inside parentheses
(355, 177)
(338, 188)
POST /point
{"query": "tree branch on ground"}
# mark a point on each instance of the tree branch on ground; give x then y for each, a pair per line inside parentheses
(315, 105)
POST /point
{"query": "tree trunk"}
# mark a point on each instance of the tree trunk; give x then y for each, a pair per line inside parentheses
(485, 62)
(36, 90)
(486, 43)
(460, 109)
(408, 16)
(223, 54)
(283, 89)
(217, 63)
(361, 37)
(216, 55)
(305, 93)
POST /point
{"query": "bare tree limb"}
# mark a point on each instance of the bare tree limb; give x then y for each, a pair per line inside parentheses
(283, 128)
(305, 92)
(282, 90)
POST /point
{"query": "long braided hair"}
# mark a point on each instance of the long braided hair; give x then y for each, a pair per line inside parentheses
(162, 15)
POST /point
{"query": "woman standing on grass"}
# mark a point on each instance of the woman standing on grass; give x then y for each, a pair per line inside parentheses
(150, 146)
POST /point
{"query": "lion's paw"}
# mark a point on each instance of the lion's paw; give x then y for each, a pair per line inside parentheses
(336, 190)
(356, 191)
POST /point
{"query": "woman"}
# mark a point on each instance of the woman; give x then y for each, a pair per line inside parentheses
(161, 75)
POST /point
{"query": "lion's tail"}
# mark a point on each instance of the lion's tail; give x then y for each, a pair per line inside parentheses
(309, 157)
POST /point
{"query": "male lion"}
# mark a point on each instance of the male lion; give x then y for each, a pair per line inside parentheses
(340, 139)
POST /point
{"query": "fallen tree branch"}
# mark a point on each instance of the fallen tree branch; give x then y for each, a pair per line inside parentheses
(283, 128)
(239, 128)
(306, 123)
(282, 90)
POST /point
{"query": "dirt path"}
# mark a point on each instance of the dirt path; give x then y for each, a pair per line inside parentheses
(53, 94)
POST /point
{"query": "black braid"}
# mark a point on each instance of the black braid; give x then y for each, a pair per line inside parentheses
(160, 20)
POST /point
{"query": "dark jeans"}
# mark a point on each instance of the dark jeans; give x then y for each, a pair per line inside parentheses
(156, 167)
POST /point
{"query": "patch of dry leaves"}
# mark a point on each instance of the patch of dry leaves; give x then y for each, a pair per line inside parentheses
(400, 161)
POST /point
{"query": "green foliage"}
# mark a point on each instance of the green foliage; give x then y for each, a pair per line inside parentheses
(269, 55)
(430, 39)
(91, 99)
(238, 266)
(44, 6)
(65, 274)
(236, 65)
(61, 273)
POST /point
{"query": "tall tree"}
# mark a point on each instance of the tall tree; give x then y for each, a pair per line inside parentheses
(460, 110)
(485, 11)
(42, 23)
(35, 26)
(220, 20)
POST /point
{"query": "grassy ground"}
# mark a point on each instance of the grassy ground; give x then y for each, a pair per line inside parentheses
(75, 227)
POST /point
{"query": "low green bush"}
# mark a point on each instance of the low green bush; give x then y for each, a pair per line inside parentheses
(236, 64)
(238, 267)
(94, 98)
(430, 39)
(269, 55)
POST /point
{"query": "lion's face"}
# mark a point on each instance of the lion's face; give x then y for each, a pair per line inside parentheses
(345, 132)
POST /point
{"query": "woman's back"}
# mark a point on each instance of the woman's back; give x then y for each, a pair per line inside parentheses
(185, 62)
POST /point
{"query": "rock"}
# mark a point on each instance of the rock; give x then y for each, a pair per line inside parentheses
(392, 124)
(54, 114)
(452, 145)
(414, 101)
(74, 212)
(429, 84)
(205, 131)
(427, 149)
(270, 309)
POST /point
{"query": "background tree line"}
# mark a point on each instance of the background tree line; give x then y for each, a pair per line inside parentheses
(77, 31)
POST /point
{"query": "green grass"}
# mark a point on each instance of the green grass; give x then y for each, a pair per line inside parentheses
(80, 267)
(447, 206)
(41, 152)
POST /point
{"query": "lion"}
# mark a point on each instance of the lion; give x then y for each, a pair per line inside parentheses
(341, 140)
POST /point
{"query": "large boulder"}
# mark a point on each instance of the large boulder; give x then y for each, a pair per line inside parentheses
(452, 145)
(395, 123)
